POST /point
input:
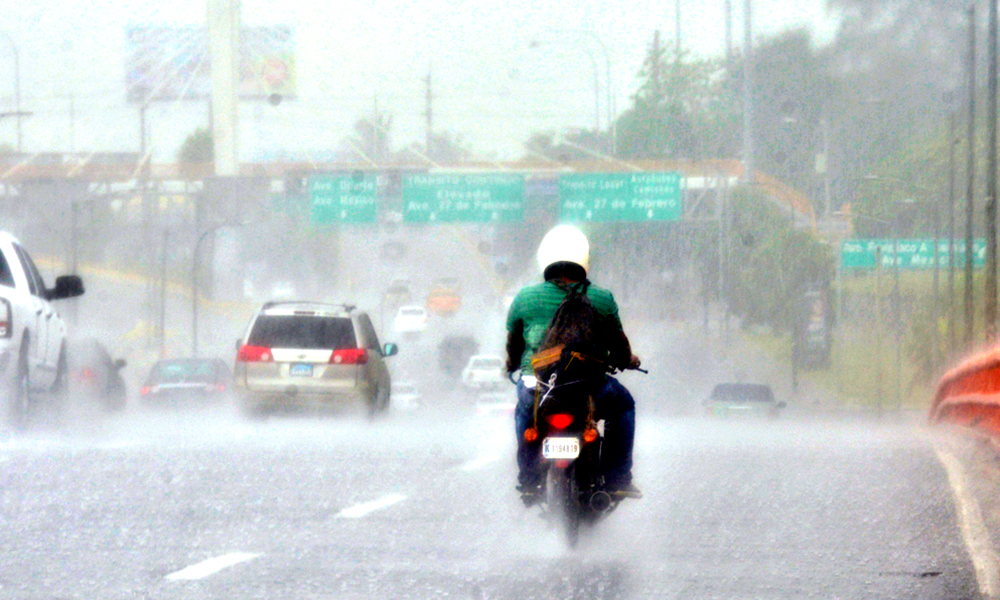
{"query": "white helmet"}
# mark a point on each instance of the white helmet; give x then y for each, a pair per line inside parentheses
(564, 243)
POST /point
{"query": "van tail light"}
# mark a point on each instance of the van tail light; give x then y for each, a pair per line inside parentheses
(559, 421)
(254, 354)
(349, 356)
(6, 314)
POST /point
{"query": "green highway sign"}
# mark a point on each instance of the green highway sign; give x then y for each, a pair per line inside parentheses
(470, 197)
(346, 198)
(906, 254)
(620, 197)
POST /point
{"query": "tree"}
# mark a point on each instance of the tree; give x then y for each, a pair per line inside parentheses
(372, 138)
(449, 148)
(196, 155)
(770, 265)
(570, 145)
(677, 108)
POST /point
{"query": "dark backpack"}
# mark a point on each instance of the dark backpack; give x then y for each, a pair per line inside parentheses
(576, 330)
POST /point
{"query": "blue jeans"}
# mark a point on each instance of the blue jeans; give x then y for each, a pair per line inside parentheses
(614, 404)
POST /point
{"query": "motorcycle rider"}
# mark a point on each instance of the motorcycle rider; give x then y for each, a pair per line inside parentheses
(564, 257)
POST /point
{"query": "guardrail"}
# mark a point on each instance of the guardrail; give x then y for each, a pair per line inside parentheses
(969, 394)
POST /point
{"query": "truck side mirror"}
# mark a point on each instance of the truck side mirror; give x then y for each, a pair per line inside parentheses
(67, 286)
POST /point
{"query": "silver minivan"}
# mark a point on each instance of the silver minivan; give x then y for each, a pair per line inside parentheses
(311, 355)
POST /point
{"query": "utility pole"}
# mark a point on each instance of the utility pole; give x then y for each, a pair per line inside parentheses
(162, 329)
(990, 313)
(878, 328)
(747, 93)
(952, 141)
(429, 98)
(17, 89)
(376, 125)
(677, 26)
(970, 188)
(729, 30)
(655, 74)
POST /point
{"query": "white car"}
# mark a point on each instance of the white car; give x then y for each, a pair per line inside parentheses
(410, 319)
(404, 396)
(483, 372)
(33, 356)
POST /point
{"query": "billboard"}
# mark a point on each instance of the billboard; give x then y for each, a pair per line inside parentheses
(165, 63)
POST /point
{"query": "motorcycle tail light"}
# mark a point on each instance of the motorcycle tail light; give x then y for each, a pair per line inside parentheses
(559, 421)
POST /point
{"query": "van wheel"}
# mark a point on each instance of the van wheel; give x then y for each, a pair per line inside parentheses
(20, 398)
(60, 387)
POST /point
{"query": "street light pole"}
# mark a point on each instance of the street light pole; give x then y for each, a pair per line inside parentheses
(17, 89)
(990, 310)
(609, 102)
(748, 149)
(194, 281)
(970, 316)
(952, 142)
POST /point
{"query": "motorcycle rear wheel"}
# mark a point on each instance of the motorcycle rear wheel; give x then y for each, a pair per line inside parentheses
(564, 503)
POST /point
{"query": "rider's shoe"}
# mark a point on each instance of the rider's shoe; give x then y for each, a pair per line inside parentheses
(531, 494)
(625, 489)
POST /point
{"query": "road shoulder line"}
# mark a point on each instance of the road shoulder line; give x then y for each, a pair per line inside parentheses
(970, 520)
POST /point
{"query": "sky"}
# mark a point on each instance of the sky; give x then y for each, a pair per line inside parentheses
(500, 70)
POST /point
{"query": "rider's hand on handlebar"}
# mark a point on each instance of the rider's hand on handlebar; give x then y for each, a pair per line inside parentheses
(634, 362)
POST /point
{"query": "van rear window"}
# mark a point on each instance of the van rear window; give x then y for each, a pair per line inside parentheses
(303, 332)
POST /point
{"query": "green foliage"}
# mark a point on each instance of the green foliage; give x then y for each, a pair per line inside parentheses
(449, 147)
(372, 138)
(196, 154)
(197, 148)
(769, 265)
(677, 109)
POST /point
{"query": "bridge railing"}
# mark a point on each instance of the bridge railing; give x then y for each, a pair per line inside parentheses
(969, 394)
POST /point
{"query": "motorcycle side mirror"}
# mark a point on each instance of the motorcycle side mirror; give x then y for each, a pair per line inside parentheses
(390, 349)
(120, 364)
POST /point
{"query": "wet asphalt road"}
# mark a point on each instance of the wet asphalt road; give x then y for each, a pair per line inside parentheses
(422, 506)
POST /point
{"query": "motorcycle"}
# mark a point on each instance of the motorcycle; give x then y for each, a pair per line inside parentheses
(576, 494)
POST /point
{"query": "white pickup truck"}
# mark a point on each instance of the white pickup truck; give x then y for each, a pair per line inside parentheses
(32, 334)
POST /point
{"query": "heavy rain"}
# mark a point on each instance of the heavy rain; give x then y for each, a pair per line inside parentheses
(662, 299)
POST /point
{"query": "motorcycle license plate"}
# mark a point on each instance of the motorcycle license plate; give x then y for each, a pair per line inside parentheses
(561, 447)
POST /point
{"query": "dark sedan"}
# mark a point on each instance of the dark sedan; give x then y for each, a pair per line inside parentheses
(743, 399)
(187, 379)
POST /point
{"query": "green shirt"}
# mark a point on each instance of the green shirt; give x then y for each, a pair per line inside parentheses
(535, 305)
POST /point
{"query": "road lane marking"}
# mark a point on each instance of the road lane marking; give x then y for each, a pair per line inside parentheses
(974, 532)
(478, 463)
(210, 566)
(359, 510)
